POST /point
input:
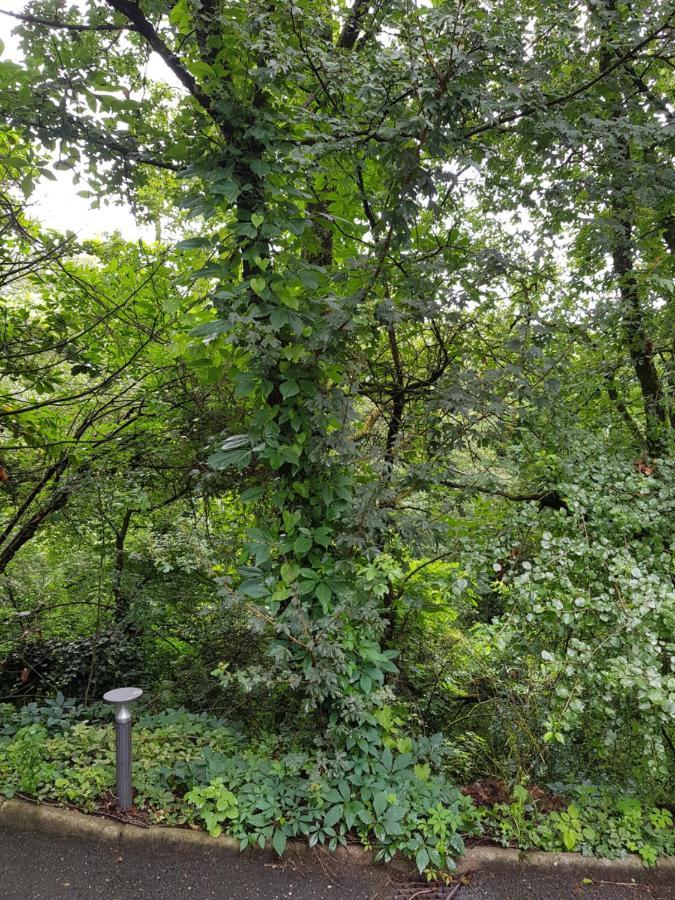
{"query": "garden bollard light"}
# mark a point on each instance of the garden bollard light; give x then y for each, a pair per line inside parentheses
(121, 699)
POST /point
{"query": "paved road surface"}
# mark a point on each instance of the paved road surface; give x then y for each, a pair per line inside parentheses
(44, 867)
(547, 884)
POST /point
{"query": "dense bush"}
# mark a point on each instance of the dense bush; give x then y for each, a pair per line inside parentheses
(589, 618)
(550, 649)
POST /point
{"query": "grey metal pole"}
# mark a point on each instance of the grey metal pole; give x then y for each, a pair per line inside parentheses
(121, 700)
(123, 758)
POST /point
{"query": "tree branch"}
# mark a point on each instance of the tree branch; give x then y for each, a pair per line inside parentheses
(142, 26)
(84, 132)
(622, 409)
(93, 390)
(558, 101)
(545, 499)
(66, 26)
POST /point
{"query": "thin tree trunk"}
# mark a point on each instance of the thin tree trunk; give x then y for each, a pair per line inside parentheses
(119, 594)
(27, 531)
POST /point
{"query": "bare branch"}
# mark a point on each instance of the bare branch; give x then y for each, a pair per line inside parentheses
(548, 499)
(66, 26)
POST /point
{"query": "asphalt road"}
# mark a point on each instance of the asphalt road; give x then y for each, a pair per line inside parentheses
(495, 883)
(36, 866)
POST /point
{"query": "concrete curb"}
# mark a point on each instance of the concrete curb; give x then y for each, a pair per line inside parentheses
(20, 815)
(502, 857)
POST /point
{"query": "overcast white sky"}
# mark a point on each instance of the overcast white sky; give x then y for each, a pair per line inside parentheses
(55, 203)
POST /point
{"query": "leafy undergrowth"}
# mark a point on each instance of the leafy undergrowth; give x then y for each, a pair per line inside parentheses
(195, 770)
(592, 821)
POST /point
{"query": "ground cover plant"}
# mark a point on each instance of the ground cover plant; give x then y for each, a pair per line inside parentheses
(356, 444)
(195, 770)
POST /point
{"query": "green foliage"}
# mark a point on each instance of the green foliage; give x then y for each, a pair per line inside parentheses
(213, 804)
(597, 823)
(54, 714)
(191, 768)
(588, 618)
(373, 441)
(25, 767)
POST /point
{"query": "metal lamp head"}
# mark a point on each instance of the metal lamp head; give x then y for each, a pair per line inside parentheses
(121, 700)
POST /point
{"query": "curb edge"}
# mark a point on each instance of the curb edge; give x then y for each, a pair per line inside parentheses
(22, 815)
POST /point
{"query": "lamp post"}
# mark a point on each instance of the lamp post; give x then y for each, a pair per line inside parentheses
(121, 700)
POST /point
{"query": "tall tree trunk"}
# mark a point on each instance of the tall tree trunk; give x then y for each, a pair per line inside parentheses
(639, 344)
(635, 337)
